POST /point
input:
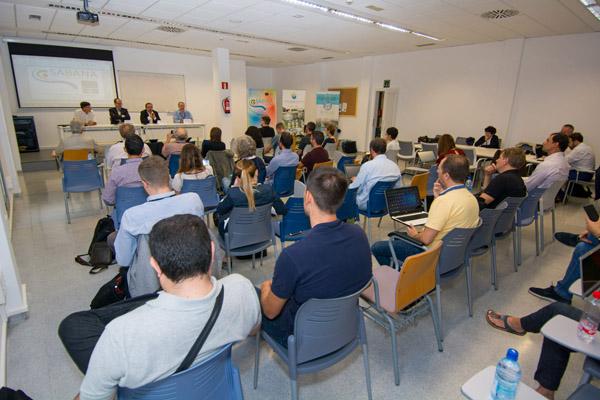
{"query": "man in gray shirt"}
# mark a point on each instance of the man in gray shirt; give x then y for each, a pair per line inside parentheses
(77, 140)
(145, 339)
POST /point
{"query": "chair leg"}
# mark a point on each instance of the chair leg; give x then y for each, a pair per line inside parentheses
(367, 370)
(553, 223)
(541, 216)
(514, 240)
(469, 284)
(585, 379)
(493, 262)
(100, 199)
(256, 359)
(438, 301)
(229, 262)
(294, 387)
(261, 258)
(436, 324)
(67, 208)
(369, 229)
(253, 260)
(519, 260)
(379, 223)
(394, 349)
(537, 238)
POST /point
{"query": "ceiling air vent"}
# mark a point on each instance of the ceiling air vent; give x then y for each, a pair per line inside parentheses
(374, 8)
(425, 44)
(170, 29)
(326, 58)
(499, 14)
(297, 49)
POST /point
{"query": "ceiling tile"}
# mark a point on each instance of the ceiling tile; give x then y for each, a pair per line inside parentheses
(23, 20)
(7, 15)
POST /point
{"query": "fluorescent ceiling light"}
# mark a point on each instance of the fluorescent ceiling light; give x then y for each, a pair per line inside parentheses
(351, 16)
(307, 4)
(391, 27)
(592, 6)
(424, 35)
(588, 2)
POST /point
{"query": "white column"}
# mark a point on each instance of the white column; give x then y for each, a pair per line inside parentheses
(9, 153)
(222, 91)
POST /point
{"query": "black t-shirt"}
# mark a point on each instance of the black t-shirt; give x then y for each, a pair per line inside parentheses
(267, 131)
(209, 145)
(506, 184)
(333, 260)
(257, 139)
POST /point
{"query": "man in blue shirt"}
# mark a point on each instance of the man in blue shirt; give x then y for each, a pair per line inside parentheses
(332, 261)
(181, 114)
(126, 174)
(285, 158)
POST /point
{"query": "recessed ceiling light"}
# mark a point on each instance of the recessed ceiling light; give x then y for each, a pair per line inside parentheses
(425, 44)
(326, 58)
(297, 49)
(170, 29)
(374, 8)
(35, 17)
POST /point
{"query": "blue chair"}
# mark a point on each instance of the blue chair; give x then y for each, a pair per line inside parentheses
(506, 224)
(205, 188)
(527, 214)
(127, 197)
(283, 181)
(174, 163)
(376, 205)
(294, 224)
(79, 177)
(215, 378)
(343, 161)
(349, 209)
(325, 332)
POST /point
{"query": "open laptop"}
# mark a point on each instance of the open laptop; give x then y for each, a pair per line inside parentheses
(351, 170)
(405, 206)
(589, 267)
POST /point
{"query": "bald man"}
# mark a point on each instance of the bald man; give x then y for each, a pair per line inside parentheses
(175, 142)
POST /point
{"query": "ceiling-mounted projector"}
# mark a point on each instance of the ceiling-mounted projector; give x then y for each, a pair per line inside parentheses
(86, 16)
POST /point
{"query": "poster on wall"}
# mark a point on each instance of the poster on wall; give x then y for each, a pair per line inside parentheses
(261, 102)
(293, 105)
(328, 109)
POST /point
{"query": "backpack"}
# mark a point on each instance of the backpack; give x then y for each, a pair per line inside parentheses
(100, 255)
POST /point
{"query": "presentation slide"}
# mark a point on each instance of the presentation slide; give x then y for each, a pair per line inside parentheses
(60, 82)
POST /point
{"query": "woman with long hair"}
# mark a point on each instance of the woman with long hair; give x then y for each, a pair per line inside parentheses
(446, 146)
(191, 166)
(214, 143)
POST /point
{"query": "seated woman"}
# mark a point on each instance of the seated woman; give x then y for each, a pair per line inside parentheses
(246, 150)
(214, 143)
(190, 167)
(246, 192)
(489, 139)
(330, 132)
(446, 146)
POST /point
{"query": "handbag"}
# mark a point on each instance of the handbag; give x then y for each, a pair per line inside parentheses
(112, 291)
(99, 254)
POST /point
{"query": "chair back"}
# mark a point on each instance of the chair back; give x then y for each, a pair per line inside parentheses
(205, 188)
(174, 163)
(470, 154)
(420, 181)
(283, 181)
(221, 163)
(215, 378)
(294, 220)
(485, 233)
(417, 276)
(126, 198)
(454, 249)
(349, 208)
(306, 149)
(528, 210)
(392, 155)
(299, 189)
(550, 194)
(323, 326)
(76, 154)
(376, 203)
(461, 140)
(427, 157)
(81, 176)
(407, 148)
(323, 164)
(246, 228)
(433, 176)
(506, 222)
(331, 148)
(430, 147)
(343, 161)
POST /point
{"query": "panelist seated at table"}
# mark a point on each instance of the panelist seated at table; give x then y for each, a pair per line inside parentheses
(85, 114)
(149, 116)
(489, 139)
(182, 115)
(118, 114)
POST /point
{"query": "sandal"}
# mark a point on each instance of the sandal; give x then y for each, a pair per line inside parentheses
(504, 318)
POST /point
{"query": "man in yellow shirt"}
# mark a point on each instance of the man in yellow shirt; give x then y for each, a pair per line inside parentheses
(453, 207)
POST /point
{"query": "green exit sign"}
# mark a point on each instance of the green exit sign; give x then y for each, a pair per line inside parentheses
(386, 83)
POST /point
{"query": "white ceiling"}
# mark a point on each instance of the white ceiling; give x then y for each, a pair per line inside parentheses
(261, 31)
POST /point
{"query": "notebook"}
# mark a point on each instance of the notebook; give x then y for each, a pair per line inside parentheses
(405, 206)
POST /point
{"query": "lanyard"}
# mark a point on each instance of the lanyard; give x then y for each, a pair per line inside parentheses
(162, 198)
(452, 188)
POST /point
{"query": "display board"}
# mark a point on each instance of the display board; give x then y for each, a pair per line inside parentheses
(347, 100)
(328, 109)
(262, 102)
(293, 104)
(164, 91)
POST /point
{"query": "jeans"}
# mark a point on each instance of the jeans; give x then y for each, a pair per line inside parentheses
(597, 185)
(572, 273)
(381, 251)
(277, 328)
(554, 357)
(80, 331)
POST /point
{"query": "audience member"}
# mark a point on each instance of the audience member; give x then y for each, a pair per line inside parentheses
(567, 129)
(309, 128)
(254, 133)
(554, 167)
(312, 267)
(380, 168)
(117, 152)
(191, 167)
(330, 130)
(148, 115)
(453, 207)
(285, 158)
(85, 115)
(214, 143)
(507, 182)
(246, 150)
(274, 145)
(390, 137)
(76, 141)
(265, 130)
(447, 146)
(181, 115)
(174, 142)
(118, 114)
(489, 139)
(135, 342)
(581, 158)
(316, 155)
(125, 175)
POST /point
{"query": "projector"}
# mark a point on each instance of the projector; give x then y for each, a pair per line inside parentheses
(87, 17)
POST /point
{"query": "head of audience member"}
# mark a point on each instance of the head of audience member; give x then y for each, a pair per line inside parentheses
(181, 253)
(286, 140)
(377, 146)
(252, 131)
(488, 132)
(154, 173)
(181, 134)
(453, 170)
(325, 191)
(76, 126)
(309, 128)
(215, 134)
(330, 130)
(86, 107)
(148, 107)
(265, 120)
(280, 127)
(567, 129)
(134, 145)
(446, 143)
(245, 147)
(126, 130)
(391, 133)
(246, 178)
(181, 106)
(575, 139)
(317, 138)
(510, 158)
(190, 159)
(555, 142)
(118, 103)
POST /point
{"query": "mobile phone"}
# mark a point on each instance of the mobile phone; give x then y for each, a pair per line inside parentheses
(591, 212)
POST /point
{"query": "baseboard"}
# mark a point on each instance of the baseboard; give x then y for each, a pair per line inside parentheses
(11, 211)
(20, 313)
(3, 336)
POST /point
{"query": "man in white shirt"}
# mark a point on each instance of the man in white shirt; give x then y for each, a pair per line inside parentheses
(582, 159)
(380, 168)
(85, 115)
(391, 134)
(76, 141)
(117, 152)
(554, 167)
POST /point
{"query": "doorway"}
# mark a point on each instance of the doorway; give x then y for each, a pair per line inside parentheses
(378, 113)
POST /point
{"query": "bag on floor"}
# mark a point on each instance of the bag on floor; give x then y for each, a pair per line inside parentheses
(99, 254)
(112, 291)
(10, 394)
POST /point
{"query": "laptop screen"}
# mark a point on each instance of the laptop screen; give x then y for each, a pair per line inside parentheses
(590, 271)
(403, 200)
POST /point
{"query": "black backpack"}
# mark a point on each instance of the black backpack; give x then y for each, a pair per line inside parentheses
(100, 254)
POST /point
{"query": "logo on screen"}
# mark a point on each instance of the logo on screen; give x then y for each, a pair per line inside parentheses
(65, 76)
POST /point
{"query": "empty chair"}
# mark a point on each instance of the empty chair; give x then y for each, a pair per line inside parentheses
(471, 155)
(395, 290)
(294, 224)
(348, 211)
(205, 188)
(430, 147)
(421, 182)
(407, 151)
(506, 224)
(527, 213)
(127, 197)
(547, 203)
(426, 159)
(376, 205)
(79, 177)
(283, 181)
(215, 378)
(579, 177)
(325, 332)
(173, 163)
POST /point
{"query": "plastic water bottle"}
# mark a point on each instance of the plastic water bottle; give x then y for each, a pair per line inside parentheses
(508, 375)
(469, 184)
(588, 324)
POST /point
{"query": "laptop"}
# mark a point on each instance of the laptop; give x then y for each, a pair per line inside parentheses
(405, 206)
(351, 170)
(589, 267)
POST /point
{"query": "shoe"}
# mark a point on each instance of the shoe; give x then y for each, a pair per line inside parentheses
(548, 294)
(568, 239)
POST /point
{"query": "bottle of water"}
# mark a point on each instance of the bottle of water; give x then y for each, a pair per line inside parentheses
(469, 184)
(588, 324)
(508, 375)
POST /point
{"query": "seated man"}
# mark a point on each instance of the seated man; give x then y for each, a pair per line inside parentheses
(175, 142)
(285, 158)
(125, 174)
(317, 154)
(309, 128)
(554, 167)
(581, 157)
(489, 139)
(77, 141)
(453, 207)
(85, 115)
(142, 340)
(312, 267)
(380, 168)
(117, 151)
(508, 182)
(181, 114)
(391, 135)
